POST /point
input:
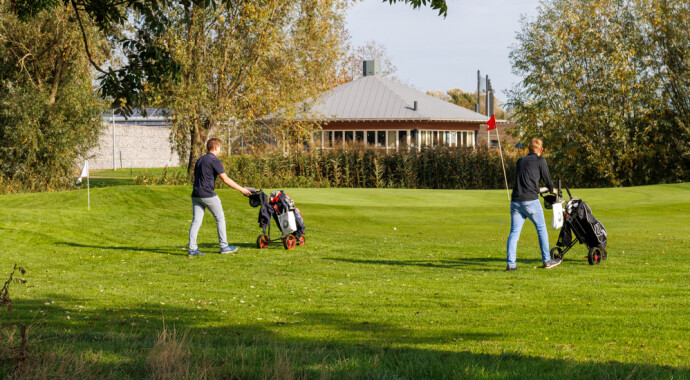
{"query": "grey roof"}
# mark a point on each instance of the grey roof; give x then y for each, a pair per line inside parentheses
(377, 98)
(154, 116)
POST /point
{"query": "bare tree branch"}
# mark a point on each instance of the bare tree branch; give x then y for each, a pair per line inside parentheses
(86, 42)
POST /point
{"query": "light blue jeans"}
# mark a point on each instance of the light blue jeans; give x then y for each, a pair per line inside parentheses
(198, 207)
(519, 212)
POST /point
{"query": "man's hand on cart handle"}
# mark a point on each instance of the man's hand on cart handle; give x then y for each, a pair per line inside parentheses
(234, 184)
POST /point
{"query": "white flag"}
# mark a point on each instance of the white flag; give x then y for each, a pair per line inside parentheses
(84, 171)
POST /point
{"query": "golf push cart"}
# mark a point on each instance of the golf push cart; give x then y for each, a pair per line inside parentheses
(574, 217)
(282, 209)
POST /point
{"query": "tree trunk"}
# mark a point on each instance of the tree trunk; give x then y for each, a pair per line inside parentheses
(57, 78)
(199, 135)
(193, 151)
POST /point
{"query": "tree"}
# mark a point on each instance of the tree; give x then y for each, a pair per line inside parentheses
(468, 100)
(147, 64)
(49, 113)
(248, 67)
(351, 67)
(665, 56)
(602, 84)
(439, 5)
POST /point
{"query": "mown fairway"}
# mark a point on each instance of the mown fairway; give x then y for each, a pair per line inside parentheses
(391, 284)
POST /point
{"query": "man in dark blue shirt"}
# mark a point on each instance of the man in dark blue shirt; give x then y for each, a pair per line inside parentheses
(525, 204)
(206, 169)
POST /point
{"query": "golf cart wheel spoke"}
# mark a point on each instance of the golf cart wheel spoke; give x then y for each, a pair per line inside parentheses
(290, 242)
(263, 241)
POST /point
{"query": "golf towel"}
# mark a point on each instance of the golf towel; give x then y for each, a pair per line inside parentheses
(557, 222)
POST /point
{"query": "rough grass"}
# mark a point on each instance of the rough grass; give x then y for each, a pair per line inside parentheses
(391, 284)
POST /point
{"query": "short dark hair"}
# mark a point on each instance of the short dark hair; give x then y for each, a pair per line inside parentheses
(212, 144)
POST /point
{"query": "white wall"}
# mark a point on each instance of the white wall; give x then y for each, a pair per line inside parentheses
(141, 146)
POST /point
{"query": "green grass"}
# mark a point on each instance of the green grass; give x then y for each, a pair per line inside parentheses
(391, 284)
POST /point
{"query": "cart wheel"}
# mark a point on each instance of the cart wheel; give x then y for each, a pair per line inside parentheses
(557, 252)
(605, 255)
(300, 241)
(289, 242)
(263, 241)
(594, 256)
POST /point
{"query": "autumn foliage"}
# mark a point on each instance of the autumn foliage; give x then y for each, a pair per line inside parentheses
(607, 86)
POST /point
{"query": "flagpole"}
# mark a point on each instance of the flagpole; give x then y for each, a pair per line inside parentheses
(85, 173)
(500, 150)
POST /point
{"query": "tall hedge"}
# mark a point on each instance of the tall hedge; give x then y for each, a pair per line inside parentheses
(437, 168)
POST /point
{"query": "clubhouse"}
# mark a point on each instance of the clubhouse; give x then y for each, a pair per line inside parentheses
(382, 113)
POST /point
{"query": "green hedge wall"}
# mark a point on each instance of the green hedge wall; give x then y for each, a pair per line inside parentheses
(436, 168)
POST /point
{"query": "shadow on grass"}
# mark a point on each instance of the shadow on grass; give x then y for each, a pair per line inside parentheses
(479, 263)
(118, 342)
(176, 250)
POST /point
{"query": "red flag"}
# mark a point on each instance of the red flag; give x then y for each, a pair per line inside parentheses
(491, 123)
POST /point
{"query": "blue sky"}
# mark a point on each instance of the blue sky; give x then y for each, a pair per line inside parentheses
(433, 53)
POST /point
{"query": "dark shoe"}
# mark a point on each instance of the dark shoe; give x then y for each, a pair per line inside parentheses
(552, 263)
(195, 253)
(228, 249)
(511, 269)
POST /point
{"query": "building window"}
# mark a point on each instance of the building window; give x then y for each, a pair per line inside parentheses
(402, 138)
(337, 137)
(371, 138)
(380, 139)
(349, 136)
(390, 139)
(328, 139)
(359, 136)
(414, 138)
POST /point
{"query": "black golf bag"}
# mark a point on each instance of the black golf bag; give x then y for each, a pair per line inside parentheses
(579, 221)
(585, 226)
(281, 208)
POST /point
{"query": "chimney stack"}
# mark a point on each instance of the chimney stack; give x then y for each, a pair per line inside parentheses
(371, 67)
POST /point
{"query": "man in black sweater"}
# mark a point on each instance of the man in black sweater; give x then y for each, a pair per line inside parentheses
(525, 204)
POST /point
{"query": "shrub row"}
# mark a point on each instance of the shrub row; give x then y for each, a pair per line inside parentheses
(168, 177)
(437, 168)
(35, 183)
(354, 166)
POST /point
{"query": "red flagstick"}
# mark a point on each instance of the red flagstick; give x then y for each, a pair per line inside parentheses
(492, 125)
